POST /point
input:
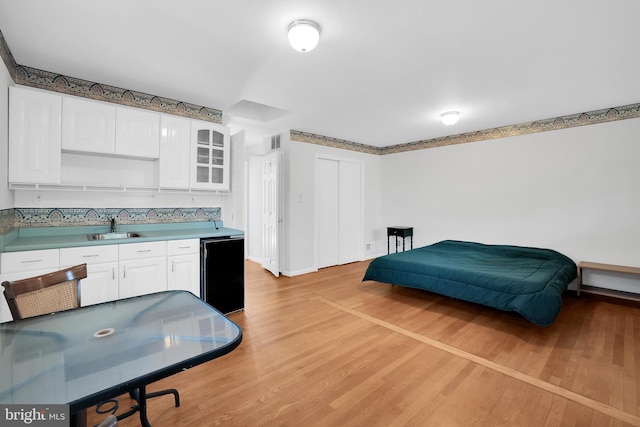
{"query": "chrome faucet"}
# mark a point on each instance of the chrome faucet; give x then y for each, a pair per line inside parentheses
(114, 225)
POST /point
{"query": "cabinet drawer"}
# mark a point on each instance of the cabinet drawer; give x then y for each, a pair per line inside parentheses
(88, 254)
(15, 262)
(142, 250)
(183, 247)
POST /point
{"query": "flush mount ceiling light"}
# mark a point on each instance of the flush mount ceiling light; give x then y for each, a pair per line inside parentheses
(450, 117)
(304, 35)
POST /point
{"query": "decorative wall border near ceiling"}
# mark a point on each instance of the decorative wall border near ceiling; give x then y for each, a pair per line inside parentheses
(7, 57)
(631, 111)
(72, 86)
(41, 79)
(328, 141)
(605, 115)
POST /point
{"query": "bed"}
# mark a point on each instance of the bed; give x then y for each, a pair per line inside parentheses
(528, 281)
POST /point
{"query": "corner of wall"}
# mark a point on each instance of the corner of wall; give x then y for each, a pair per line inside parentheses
(7, 199)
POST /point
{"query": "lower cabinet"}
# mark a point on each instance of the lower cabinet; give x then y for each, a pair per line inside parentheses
(20, 265)
(183, 265)
(113, 271)
(101, 284)
(143, 268)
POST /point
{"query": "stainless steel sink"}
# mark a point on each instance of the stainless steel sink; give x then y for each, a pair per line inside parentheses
(115, 235)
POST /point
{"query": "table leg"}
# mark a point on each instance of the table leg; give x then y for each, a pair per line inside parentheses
(141, 399)
(140, 395)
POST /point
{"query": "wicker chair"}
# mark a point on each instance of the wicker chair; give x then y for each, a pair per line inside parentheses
(49, 293)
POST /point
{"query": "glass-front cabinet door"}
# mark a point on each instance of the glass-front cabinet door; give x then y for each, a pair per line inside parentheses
(210, 145)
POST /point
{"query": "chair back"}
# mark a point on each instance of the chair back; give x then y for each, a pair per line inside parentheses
(45, 294)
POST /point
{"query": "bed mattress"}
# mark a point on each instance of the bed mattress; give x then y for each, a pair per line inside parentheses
(529, 281)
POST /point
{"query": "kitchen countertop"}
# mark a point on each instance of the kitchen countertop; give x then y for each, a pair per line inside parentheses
(35, 238)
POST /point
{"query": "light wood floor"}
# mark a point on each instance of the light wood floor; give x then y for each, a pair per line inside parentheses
(326, 349)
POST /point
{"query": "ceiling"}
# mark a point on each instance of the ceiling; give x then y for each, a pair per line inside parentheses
(381, 74)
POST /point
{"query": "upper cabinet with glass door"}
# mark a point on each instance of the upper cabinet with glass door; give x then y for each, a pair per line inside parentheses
(210, 156)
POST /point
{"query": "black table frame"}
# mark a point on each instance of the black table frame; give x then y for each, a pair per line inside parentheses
(136, 387)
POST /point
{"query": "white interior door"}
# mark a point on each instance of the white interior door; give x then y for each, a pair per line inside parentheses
(271, 211)
(338, 212)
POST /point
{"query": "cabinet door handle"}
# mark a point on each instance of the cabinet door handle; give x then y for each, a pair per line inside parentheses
(90, 256)
(124, 271)
(30, 261)
(113, 273)
(184, 247)
(144, 250)
(173, 266)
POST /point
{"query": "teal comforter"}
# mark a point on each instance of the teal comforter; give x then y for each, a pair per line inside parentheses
(529, 281)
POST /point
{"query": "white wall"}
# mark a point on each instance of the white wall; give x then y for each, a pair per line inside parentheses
(6, 197)
(300, 204)
(253, 233)
(575, 190)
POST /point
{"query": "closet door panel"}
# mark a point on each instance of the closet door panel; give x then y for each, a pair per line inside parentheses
(327, 212)
(350, 222)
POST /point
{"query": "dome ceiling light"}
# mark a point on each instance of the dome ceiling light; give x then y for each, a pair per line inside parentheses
(450, 117)
(304, 35)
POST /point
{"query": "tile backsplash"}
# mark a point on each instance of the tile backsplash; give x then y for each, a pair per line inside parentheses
(54, 217)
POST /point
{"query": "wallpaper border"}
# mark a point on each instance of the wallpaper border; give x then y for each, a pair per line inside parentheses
(605, 115)
(72, 86)
(75, 217)
(41, 79)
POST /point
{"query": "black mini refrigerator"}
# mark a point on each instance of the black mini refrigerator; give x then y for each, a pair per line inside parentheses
(222, 275)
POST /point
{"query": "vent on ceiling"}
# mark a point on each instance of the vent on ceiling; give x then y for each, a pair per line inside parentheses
(275, 142)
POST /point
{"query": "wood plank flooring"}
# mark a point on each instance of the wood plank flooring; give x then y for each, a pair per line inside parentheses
(326, 349)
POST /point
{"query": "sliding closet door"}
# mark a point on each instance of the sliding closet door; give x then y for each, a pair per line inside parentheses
(338, 212)
(350, 213)
(327, 216)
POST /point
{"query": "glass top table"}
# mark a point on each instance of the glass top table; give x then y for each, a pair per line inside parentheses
(84, 356)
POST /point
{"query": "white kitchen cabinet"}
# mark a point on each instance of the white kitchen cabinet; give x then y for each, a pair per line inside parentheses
(34, 136)
(65, 141)
(143, 268)
(183, 265)
(175, 152)
(101, 284)
(88, 126)
(21, 265)
(137, 133)
(210, 159)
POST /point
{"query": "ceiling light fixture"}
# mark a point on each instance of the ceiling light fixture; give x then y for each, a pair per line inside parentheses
(304, 35)
(450, 117)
